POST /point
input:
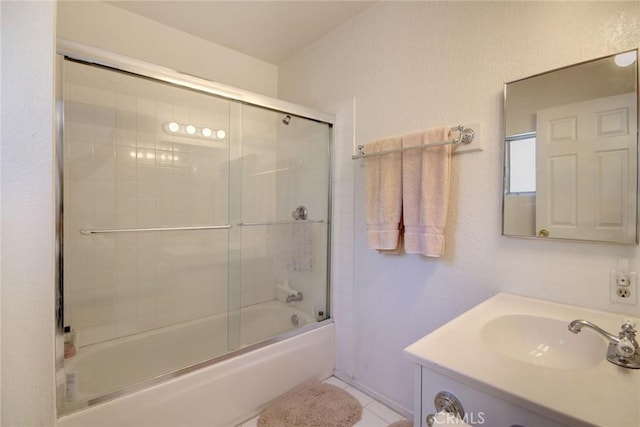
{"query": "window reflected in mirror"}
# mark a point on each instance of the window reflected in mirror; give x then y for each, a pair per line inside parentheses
(522, 163)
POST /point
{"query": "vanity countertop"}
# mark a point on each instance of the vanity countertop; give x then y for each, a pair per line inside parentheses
(601, 394)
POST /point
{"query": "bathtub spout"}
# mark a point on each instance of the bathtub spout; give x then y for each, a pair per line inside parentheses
(294, 297)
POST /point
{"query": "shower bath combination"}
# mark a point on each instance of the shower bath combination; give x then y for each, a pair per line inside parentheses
(178, 225)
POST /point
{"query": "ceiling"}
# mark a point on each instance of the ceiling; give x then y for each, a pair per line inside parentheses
(268, 30)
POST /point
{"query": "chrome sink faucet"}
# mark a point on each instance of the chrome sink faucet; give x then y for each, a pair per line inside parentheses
(623, 350)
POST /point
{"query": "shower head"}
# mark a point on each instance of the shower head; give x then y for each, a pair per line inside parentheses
(286, 120)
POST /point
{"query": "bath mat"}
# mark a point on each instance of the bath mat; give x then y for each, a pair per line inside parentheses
(312, 405)
(402, 423)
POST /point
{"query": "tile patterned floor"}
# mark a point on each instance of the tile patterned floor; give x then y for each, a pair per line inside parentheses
(374, 414)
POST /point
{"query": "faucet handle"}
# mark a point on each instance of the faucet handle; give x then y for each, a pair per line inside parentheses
(625, 348)
(629, 326)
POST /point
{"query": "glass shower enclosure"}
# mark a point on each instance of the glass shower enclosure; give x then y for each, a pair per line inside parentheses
(193, 226)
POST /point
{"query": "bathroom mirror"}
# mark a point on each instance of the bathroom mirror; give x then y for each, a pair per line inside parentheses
(571, 152)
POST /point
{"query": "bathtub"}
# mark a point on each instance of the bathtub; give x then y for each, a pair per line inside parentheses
(216, 388)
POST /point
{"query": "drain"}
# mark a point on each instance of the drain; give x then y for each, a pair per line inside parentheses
(295, 320)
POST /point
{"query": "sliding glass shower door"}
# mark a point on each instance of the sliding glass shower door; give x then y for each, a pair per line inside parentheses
(193, 226)
(139, 155)
(283, 208)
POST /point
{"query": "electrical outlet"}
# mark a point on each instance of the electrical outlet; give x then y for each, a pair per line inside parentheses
(623, 292)
(623, 288)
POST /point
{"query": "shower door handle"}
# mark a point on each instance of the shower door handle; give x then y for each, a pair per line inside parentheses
(138, 230)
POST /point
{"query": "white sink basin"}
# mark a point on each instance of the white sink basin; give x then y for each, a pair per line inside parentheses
(543, 341)
(520, 350)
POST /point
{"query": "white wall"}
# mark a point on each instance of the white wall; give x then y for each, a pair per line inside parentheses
(413, 65)
(108, 27)
(28, 31)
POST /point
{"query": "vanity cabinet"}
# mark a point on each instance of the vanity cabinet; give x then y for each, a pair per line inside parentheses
(481, 408)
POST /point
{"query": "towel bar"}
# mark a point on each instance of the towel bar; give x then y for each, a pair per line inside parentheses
(465, 136)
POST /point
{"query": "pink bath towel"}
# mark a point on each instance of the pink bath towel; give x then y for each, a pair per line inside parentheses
(384, 194)
(425, 191)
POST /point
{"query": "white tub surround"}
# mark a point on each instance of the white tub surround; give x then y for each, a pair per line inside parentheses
(591, 392)
(223, 394)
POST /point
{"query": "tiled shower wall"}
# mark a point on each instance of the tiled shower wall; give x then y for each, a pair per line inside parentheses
(122, 170)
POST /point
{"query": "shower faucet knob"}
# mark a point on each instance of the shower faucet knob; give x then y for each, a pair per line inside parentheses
(299, 213)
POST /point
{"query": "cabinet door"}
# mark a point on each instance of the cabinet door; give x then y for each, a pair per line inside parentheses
(481, 409)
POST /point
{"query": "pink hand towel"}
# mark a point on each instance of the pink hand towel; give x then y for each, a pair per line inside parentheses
(384, 194)
(425, 191)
